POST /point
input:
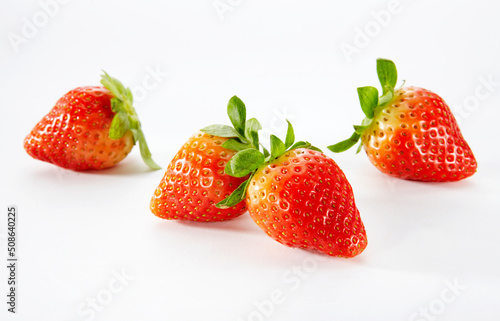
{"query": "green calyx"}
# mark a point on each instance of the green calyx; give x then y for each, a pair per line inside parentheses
(126, 117)
(251, 154)
(370, 101)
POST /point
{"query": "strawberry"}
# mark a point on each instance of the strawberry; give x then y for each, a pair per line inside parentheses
(410, 132)
(298, 196)
(195, 181)
(89, 128)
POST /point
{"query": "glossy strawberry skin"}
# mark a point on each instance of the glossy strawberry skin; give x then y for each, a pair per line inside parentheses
(74, 134)
(416, 137)
(303, 199)
(195, 181)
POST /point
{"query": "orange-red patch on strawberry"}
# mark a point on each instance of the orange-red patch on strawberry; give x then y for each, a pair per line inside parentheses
(195, 181)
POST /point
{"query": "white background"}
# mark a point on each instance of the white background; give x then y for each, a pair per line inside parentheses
(433, 250)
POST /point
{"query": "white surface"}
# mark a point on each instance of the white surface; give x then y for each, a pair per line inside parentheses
(77, 231)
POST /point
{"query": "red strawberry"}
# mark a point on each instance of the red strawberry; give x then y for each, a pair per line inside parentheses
(303, 199)
(298, 196)
(410, 133)
(195, 182)
(89, 128)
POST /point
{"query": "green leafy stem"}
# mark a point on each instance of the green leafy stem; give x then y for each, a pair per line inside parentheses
(126, 117)
(370, 102)
(251, 154)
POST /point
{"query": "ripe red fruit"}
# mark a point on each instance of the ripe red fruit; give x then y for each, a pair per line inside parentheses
(295, 193)
(303, 199)
(89, 128)
(410, 133)
(195, 181)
